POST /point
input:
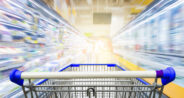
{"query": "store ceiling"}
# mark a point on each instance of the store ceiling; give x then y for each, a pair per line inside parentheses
(84, 11)
(129, 8)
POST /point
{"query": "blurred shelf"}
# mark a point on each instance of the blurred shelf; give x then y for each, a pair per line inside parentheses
(23, 18)
(12, 13)
(10, 56)
(9, 63)
(11, 66)
(13, 44)
(12, 26)
(26, 21)
(164, 54)
(32, 11)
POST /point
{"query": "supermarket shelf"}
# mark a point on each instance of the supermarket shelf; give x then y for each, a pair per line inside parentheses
(13, 26)
(17, 27)
(34, 24)
(5, 10)
(13, 44)
(31, 12)
(9, 63)
(11, 66)
(164, 54)
(27, 10)
(11, 55)
(155, 7)
(21, 6)
(2, 21)
(52, 13)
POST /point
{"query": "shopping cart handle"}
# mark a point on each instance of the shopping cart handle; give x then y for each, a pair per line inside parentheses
(167, 75)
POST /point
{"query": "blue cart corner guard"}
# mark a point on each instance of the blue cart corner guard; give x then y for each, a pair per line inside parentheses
(15, 77)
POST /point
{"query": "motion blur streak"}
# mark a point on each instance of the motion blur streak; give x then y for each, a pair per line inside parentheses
(46, 35)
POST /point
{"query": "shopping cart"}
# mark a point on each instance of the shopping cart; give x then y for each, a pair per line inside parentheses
(92, 81)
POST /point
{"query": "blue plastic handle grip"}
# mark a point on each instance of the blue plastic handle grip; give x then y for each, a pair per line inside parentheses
(15, 76)
(169, 75)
